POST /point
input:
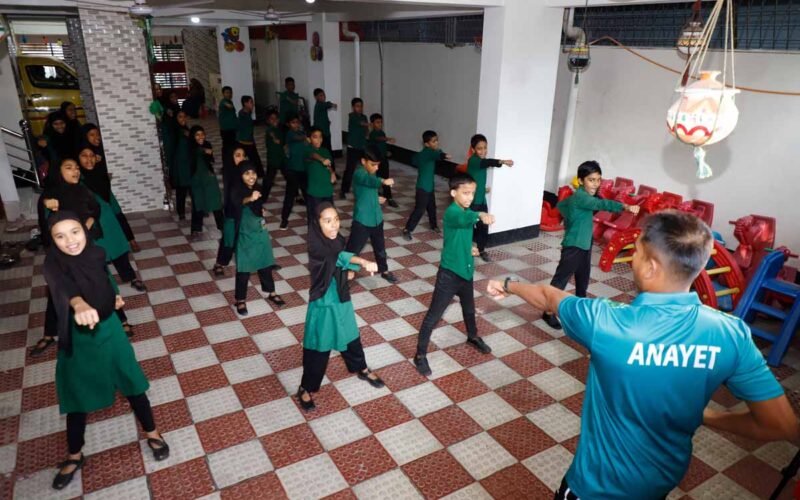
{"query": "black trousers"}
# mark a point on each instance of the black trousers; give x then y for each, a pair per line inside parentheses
(353, 159)
(383, 173)
(252, 154)
(295, 183)
(315, 363)
(425, 201)
(197, 220)
(180, 200)
(224, 254)
(573, 261)
(448, 284)
(126, 228)
(123, 266)
(269, 180)
(481, 234)
(359, 234)
(228, 140)
(76, 422)
(267, 283)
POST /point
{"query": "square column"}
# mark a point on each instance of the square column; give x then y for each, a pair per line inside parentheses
(235, 67)
(326, 74)
(519, 58)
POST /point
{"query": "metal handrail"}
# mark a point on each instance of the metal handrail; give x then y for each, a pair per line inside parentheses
(27, 136)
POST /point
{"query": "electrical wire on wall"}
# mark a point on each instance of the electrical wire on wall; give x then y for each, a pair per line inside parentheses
(380, 58)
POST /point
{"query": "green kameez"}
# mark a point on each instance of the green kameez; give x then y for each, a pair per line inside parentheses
(180, 172)
(206, 196)
(228, 232)
(254, 246)
(113, 241)
(331, 324)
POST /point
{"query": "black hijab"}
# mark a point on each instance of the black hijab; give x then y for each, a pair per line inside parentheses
(73, 126)
(60, 144)
(196, 151)
(96, 179)
(239, 191)
(323, 253)
(73, 198)
(82, 275)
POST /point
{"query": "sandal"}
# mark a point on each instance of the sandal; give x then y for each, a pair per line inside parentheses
(305, 405)
(42, 345)
(138, 285)
(219, 270)
(162, 451)
(277, 300)
(62, 480)
(128, 329)
(241, 307)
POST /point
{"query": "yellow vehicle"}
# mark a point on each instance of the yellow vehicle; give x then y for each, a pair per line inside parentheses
(46, 82)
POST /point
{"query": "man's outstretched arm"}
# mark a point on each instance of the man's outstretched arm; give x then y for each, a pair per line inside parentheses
(543, 297)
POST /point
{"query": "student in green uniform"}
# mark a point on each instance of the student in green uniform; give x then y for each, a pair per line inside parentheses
(180, 168)
(230, 177)
(206, 198)
(576, 247)
(95, 359)
(321, 119)
(319, 169)
(378, 138)
(56, 142)
(289, 102)
(253, 244)
(477, 166)
(425, 162)
(245, 137)
(367, 215)
(357, 128)
(227, 119)
(295, 172)
(330, 318)
(456, 269)
(276, 155)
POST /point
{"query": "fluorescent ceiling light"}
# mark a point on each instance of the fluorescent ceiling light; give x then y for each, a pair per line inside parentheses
(194, 19)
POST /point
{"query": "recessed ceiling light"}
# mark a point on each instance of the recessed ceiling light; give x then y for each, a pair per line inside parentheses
(194, 19)
(310, 1)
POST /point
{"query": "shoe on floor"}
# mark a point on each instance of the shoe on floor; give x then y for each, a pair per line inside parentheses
(392, 203)
(407, 235)
(485, 257)
(551, 321)
(479, 344)
(436, 230)
(159, 447)
(376, 382)
(62, 480)
(391, 278)
(305, 405)
(42, 345)
(284, 225)
(421, 362)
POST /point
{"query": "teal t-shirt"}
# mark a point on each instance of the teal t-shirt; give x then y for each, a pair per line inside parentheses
(287, 107)
(356, 131)
(655, 364)
(321, 119)
(372, 140)
(425, 161)
(319, 177)
(227, 115)
(244, 127)
(296, 142)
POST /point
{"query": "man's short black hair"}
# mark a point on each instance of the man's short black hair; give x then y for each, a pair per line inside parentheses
(226, 88)
(375, 116)
(356, 100)
(680, 239)
(314, 129)
(477, 139)
(288, 79)
(246, 98)
(270, 112)
(588, 168)
(318, 92)
(428, 135)
(459, 180)
(372, 153)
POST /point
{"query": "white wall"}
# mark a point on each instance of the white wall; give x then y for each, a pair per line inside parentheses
(236, 67)
(620, 122)
(9, 98)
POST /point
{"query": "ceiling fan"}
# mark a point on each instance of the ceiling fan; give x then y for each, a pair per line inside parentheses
(140, 7)
(271, 16)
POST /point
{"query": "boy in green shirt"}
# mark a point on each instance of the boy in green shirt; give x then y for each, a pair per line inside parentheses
(276, 156)
(425, 200)
(289, 101)
(456, 269)
(367, 216)
(357, 127)
(295, 172)
(576, 247)
(319, 169)
(227, 120)
(477, 167)
(244, 134)
(378, 138)
(321, 120)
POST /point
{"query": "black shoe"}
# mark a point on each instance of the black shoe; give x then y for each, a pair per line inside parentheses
(42, 346)
(305, 405)
(182, 217)
(391, 278)
(277, 300)
(407, 235)
(342, 196)
(479, 344)
(241, 308)
(551, 321)
(138, 285)
(392, 203)
(485, 257)
(284, 224)
(300, 201)
(162, 451)
(436, 230)
(62, 480)
(421, 362)
(376, 383)
(219, 270)
(128, 329)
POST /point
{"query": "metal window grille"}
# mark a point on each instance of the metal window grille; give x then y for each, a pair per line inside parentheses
(168, 53)
(62, 51)
(446, 30)
(171, 80)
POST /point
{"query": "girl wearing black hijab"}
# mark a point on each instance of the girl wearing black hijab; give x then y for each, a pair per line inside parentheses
(253, 244)
(99, 181)
(206, 197)
(56, 143)
(230, 177)
(330, 319)
(180, 167)
(73, 124)
(95, 359)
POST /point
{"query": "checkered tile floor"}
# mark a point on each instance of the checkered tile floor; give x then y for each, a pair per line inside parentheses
(503, 425)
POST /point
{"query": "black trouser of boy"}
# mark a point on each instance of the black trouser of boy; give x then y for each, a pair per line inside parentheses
(312, 202)
(51, 320)
(573, 261)
(224, 254)
(295, 182)
(315, 363)
(269, 179)
(123, 266)
(228, 140)
(425, 201)
(126, 228)
(197, 220)
(264, 274)
(383, 173)
(359, 234)
(448, 284)
(326, 143)
(180, 201)
(252, 154)
(481, 233)
(76, 422)
(354, 156)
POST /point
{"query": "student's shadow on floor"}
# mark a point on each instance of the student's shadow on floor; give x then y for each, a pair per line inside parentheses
(677, 161)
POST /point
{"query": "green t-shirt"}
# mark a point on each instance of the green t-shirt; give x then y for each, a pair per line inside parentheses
(275, 153)
(227, 115)
(319, 177)
(356, 131)
(367, 210)
(578, 212)
(297, 149)
(287, 107)
(479, 174)
(244, 127)
(321, 119)
(381, 145)
(457, 251)
(425, 161)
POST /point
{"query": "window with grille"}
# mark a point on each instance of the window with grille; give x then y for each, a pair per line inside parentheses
(446, 30)
(171, 80)
(61, 51)
(168, 53)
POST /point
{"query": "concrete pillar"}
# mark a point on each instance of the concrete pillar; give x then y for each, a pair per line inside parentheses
(326, 74)
(235, 67)
(519, 58)
(75, 34)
